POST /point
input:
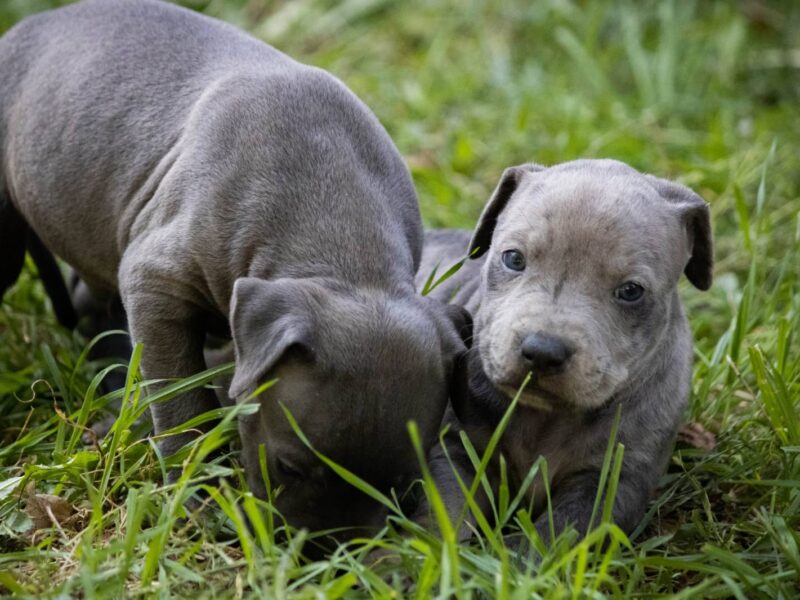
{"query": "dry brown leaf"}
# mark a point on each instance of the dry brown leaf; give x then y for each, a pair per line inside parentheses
(46, 510)
(697, 436)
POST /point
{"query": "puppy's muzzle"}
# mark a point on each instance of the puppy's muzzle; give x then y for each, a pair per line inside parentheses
(545, 354)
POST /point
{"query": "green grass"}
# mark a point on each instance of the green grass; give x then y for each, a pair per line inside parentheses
(706, 92)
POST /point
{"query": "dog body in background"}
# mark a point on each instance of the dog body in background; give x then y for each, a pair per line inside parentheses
(574, 281)
(222, 188)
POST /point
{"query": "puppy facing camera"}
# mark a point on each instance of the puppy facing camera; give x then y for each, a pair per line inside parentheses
(573, 283)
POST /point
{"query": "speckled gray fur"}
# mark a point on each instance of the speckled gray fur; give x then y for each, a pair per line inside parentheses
(584, 227)
(221, 187)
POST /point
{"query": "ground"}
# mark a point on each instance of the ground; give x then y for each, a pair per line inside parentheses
(706, 93)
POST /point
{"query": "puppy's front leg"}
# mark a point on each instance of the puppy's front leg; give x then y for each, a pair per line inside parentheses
(442, 468)
(575, 495)
(447, 464)
(172, 340)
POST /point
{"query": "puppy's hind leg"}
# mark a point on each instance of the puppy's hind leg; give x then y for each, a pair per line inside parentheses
(98, 313)
(53, 281)
(13, 234)
(15, 237)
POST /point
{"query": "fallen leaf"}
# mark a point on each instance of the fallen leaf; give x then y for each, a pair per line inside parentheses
(46, 510)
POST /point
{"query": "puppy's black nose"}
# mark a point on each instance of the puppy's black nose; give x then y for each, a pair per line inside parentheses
(545, 354)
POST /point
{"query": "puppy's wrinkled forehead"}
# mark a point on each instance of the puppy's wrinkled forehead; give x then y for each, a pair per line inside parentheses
(611, 220)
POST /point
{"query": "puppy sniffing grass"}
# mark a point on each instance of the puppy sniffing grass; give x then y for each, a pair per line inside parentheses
(222, 188)
(575, 283)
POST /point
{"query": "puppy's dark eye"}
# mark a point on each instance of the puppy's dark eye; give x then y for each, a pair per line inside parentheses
(629, 292)
(513, 260)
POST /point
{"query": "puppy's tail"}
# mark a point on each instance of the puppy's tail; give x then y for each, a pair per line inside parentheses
(15, 237)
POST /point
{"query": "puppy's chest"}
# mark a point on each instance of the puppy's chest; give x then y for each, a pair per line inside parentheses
(557, 439)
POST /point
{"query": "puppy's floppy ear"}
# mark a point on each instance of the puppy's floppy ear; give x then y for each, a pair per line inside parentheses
(267, 318)
(508, 184)
(695, 215)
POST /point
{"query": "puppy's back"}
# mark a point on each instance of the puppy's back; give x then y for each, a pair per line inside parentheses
(99, 97)
(131, 67)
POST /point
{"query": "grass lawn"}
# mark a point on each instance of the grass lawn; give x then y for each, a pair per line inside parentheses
(704, 92)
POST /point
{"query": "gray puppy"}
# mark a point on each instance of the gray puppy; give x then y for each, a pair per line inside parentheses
(222, 188)
(575, 283)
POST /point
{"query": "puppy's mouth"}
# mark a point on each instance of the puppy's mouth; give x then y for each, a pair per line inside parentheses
(532, 395)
